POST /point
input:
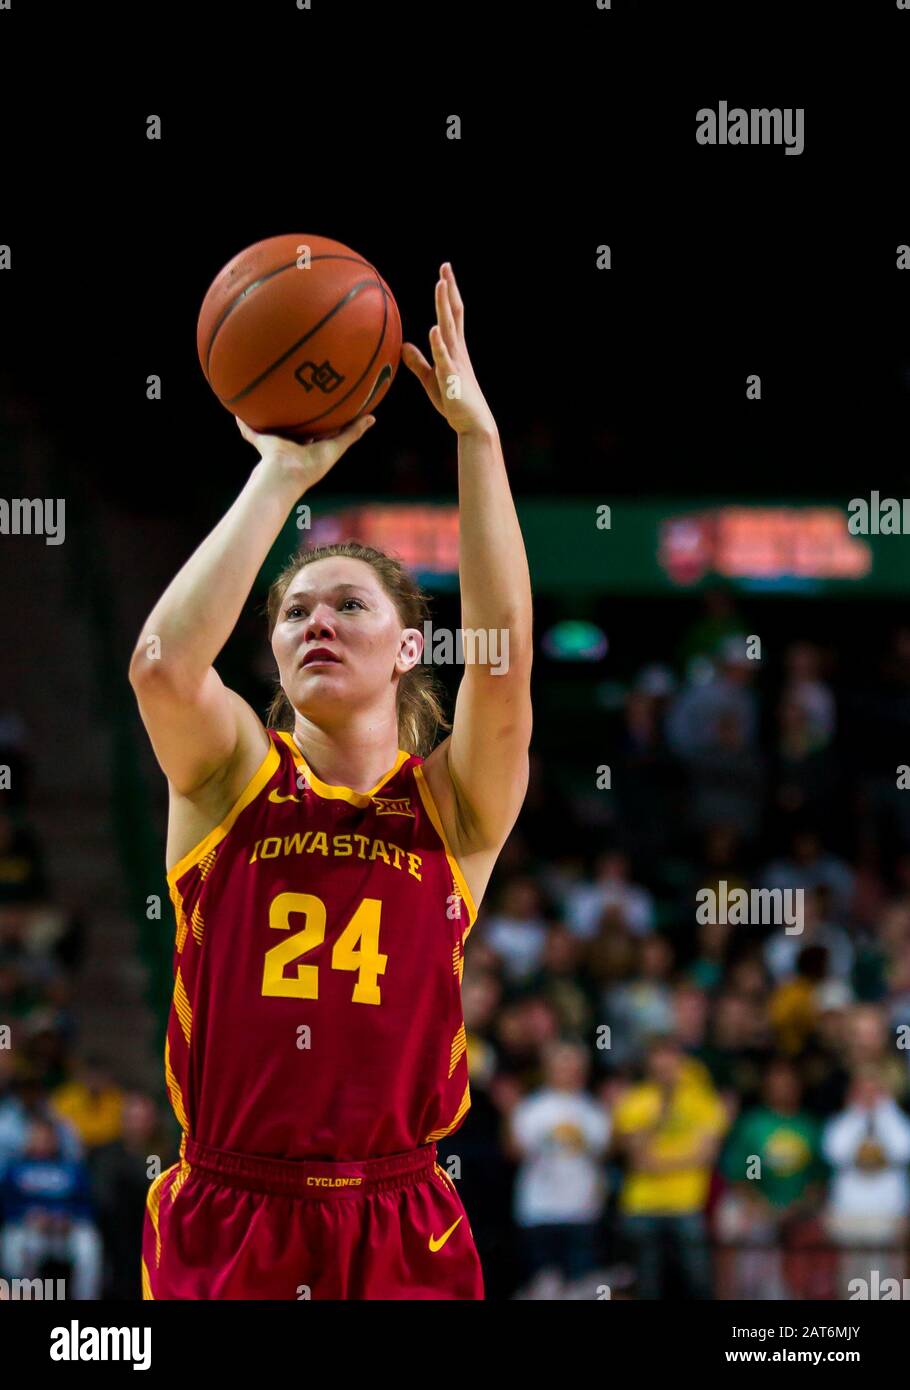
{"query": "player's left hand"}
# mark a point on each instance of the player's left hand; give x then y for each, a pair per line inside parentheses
(450, 382)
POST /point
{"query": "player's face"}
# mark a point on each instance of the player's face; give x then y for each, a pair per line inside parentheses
(338, 641)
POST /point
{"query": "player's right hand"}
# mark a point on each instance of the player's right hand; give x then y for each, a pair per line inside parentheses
(310, 459)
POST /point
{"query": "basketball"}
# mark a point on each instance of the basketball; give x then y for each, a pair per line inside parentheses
(298, 336)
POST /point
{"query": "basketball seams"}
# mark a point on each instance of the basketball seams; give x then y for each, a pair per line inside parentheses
(351, 295)
(248, 290)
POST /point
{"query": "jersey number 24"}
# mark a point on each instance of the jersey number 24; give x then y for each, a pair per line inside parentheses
(357, 948)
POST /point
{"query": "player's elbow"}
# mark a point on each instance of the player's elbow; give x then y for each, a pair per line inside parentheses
(513, 658)
(146, 667)
(149, 673)
(141, 666)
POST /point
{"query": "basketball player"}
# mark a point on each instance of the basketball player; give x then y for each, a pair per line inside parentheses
(325, 872)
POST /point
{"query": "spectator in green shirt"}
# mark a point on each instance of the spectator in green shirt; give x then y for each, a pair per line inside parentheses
(773, 1165)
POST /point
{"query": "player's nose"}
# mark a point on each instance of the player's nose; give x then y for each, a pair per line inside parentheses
(320, 623)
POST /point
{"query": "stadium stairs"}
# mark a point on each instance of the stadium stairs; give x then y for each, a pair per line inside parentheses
(65, 672)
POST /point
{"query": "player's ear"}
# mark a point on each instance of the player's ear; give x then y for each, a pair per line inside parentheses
(410, 649)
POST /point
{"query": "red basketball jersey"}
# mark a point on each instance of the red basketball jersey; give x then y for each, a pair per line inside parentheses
(318, 962)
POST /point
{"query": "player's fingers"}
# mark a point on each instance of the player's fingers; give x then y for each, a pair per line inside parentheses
(426, 374)
(444, 315)
(438, 346)
(245, 430)
(445, 362)
(455, 298)
(345, 438)
(323, 454)
(412, 357)
(260, 439)
(352, 432)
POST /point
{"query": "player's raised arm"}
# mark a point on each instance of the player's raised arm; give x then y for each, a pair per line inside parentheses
(488, 747)
(196, 724)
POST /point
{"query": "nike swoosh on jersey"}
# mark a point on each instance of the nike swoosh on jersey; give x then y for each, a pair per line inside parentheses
(278, 798)
(436, 1243)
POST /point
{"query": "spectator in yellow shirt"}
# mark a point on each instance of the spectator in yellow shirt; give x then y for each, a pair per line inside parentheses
(669, 1128)
(92, 1103)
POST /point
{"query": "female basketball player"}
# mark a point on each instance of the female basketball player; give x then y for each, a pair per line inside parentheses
(325, 872)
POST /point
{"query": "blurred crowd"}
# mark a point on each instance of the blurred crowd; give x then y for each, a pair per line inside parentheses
(76, 1143)
(662, 1106)
(672, 1106)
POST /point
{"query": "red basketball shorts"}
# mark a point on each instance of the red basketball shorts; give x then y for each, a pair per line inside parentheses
(225, 1225)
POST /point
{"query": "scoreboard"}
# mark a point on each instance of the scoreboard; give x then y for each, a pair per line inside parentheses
(588, 545)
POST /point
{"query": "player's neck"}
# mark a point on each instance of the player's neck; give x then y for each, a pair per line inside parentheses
(354, 758)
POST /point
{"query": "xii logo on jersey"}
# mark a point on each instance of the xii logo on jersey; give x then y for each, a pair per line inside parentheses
(393, 806)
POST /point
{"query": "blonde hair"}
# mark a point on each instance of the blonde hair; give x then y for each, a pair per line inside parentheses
(419, 699)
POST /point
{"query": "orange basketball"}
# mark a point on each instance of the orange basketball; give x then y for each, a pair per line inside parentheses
(298, 335)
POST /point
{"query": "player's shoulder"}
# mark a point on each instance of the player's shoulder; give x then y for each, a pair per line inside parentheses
(256, 755)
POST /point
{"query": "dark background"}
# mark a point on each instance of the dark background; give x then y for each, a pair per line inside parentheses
(578, 129)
